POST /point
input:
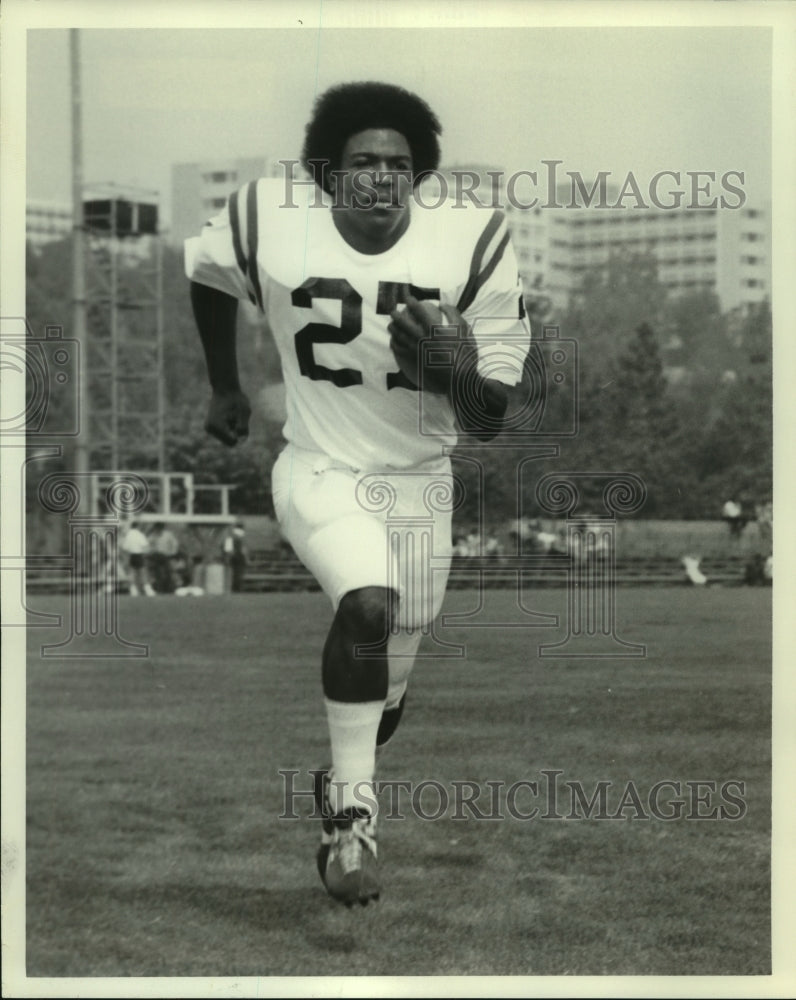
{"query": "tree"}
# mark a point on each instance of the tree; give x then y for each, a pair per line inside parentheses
(670, 388)
(608, 305)
(248, 466)
(736, 454)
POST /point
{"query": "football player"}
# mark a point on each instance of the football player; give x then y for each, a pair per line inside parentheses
(392, 322)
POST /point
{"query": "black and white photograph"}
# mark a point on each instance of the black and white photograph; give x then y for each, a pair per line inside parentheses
(394, 418)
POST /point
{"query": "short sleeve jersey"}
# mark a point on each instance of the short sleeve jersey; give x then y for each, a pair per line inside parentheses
(328, 307)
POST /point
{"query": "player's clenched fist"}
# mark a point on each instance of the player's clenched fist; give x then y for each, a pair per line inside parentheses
(228, 417)
(444, 326)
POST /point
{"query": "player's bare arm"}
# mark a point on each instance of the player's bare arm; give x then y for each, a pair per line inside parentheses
(216, 315)
(451, 333)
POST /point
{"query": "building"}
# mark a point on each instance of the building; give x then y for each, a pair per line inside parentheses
(46, 222)
(723, 250)
(200, 190)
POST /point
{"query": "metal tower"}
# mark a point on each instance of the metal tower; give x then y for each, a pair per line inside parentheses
(123, 256)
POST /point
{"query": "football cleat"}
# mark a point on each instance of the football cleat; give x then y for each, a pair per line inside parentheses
(390, 718)
(347, 855)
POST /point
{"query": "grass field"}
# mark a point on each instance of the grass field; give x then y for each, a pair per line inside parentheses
(155, 846)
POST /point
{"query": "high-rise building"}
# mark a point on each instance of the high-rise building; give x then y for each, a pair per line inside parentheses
(723, 250)
(200, 190)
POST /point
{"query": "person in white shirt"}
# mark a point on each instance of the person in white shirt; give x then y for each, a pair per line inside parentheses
(135, 546)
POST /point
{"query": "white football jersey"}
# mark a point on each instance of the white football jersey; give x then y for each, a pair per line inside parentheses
(328, 307)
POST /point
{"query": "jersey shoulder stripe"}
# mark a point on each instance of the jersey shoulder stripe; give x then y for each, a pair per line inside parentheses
(479, 272)
(240, 227)
(252, 232)
(486, 273)
(234, 223)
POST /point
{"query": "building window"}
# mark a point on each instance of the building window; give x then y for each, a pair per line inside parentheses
(220, 176)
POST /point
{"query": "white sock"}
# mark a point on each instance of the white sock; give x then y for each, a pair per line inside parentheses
(352, 732)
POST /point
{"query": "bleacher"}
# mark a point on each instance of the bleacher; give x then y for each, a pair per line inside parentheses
(282, 571)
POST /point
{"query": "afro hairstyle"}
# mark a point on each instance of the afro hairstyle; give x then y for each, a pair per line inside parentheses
(349, 108)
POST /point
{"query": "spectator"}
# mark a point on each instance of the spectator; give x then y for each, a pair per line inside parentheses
(194, 552)
(755, 570)
(764, 513)
(693, 572)
(460, 546)
(473, 543)
(163, 549)
(732, 512)
(235, 556)
(521, 530)
(182, 569)
(493, 546)
(768, 570)
(544, 542)
(135, 546)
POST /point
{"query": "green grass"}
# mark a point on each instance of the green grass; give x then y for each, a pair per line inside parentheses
(155, 846)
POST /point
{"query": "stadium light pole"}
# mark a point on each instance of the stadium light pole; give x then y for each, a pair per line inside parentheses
(83, 440)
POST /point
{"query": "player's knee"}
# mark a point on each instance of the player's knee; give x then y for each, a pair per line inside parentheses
(366, 614)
